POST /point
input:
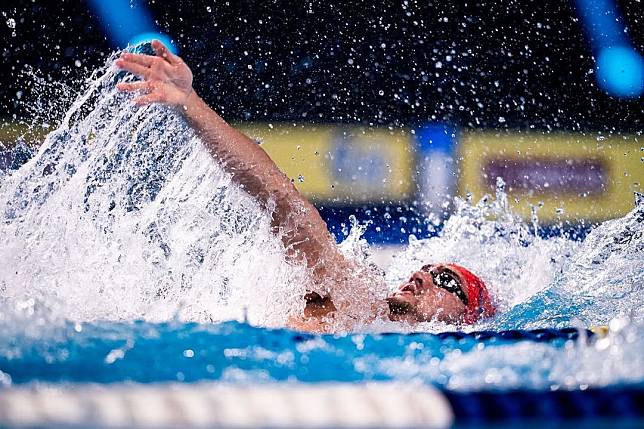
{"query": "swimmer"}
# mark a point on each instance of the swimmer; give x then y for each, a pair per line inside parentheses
(339, 290)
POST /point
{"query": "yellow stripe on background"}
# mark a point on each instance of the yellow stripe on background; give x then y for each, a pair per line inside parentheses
(340, 165)
(618, 156)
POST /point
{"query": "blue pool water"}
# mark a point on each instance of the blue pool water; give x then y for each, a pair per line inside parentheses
(108, 352)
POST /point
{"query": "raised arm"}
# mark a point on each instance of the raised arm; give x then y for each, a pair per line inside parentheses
(168, 80)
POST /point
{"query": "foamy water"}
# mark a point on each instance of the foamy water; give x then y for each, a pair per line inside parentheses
(123, 215)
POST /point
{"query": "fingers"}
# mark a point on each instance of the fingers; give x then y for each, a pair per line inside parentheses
(134, 86)
(153, 97)
(144, 60)
(162, 51)
(133, 67)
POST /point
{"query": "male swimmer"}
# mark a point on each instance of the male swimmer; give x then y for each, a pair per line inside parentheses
(338, 290)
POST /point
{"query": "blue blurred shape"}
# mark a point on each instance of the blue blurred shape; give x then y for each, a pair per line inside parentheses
(150, 36)
(620, 71)
(619, 66)
(602, 21)
(436, 166)
(436, 137)
(128, 22)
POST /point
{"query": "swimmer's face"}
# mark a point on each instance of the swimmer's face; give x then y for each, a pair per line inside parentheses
(433, 293)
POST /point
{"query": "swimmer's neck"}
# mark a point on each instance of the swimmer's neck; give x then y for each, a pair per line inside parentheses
(321, 316)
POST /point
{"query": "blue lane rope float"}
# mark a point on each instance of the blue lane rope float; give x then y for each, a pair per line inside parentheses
(619, 66)
(485, 406)
(535, 335)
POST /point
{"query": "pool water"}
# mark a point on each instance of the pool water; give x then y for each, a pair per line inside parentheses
(108, 352)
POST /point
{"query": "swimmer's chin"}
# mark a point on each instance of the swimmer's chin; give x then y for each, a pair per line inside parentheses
(401, 308)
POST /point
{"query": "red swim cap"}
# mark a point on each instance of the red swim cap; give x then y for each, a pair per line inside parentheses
(479, 303)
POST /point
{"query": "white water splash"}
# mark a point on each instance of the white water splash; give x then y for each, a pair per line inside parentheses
(496, 245)
(612, 359)
(608, 270)
(123, 214)
(603, 281)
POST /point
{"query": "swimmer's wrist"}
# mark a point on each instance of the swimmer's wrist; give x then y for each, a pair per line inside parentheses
(192, 107)
(189, 100)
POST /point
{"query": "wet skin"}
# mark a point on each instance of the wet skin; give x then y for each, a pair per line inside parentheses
(420, 299)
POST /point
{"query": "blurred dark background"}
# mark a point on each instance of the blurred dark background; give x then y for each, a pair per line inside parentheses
(501, 64)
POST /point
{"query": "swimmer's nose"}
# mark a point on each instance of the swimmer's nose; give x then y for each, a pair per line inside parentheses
(417, 284)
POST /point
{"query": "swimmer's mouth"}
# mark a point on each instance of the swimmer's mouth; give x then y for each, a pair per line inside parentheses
(403, 300)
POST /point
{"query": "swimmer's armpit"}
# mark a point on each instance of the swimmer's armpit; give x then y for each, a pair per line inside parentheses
(318, 313)
(318, 306)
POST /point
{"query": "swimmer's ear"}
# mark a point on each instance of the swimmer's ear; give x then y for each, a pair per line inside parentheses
(162, 51)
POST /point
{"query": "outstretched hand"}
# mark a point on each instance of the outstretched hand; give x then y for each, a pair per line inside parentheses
(166, 78)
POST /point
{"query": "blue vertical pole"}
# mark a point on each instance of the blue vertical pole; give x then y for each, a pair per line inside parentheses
(436, 153)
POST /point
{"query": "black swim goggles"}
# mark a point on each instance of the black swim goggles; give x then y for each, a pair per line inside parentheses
(446, 279)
